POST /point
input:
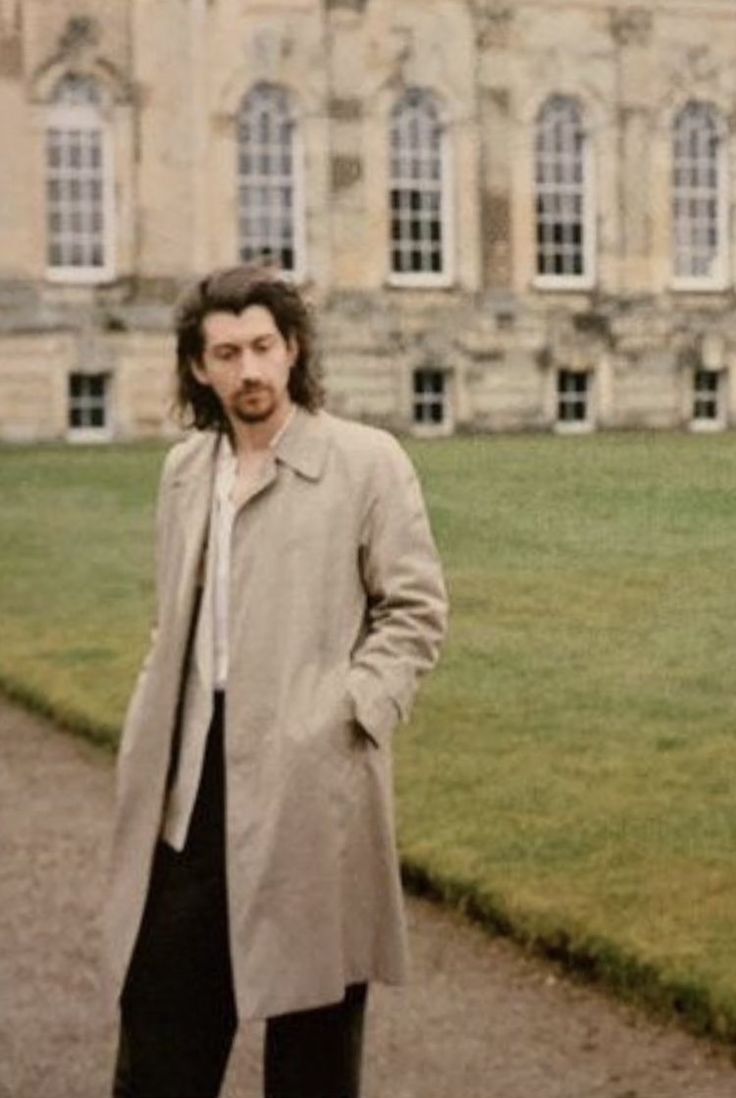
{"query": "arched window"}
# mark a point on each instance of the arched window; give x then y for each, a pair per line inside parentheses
(563, 200)
(419, 190)
(699, 195)
(79, 184)
(269, 199)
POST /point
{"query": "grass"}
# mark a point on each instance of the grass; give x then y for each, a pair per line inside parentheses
(77, 588)
(568, 774)
(570, 766)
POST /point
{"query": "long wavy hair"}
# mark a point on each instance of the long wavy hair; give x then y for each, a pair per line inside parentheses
(231, 291)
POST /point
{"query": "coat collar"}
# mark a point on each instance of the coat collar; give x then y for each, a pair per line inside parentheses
(303, 445)
(195, 459)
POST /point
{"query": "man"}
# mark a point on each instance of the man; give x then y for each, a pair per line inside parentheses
(299, 599)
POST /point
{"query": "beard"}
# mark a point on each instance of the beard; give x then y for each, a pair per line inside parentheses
(254, 404)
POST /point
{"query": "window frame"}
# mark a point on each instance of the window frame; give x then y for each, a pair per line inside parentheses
(442, 399)
(425, 279)
(587, 279)
(716, 422)
(87, 117)
(587, 422)
(296, 180)
(719, 280)
(87, 432)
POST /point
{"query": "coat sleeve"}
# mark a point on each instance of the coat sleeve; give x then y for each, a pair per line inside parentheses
(406, 598)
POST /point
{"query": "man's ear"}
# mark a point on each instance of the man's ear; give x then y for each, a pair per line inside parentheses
(199, 373)
(293, 349)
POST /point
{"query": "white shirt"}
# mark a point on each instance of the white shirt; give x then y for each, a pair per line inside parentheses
(213, 628)
(217, 574)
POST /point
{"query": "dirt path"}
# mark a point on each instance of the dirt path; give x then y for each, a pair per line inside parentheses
(479, 1021)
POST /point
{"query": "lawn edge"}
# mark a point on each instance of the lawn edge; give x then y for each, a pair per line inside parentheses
(594, 960)
(589, 958)
(67, 718)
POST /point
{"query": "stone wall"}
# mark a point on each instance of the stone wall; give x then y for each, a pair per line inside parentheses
(173, 76)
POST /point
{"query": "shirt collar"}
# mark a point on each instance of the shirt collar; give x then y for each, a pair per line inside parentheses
(227, 452)
(301, 442)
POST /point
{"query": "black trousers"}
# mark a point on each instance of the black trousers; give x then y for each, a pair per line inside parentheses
(178, 1015)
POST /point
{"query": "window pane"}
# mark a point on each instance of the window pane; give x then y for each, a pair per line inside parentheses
(572, 396)
(696, 187)
(87, 402)
(266, 222)
(561, 185)
(75, 213)
(429, 396)
(417, 235)
(706, 395)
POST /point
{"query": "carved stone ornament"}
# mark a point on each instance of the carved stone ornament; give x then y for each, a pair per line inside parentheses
(345, 109)
(77, 55)
(81, 31)
(631, 26)
(345, 171)
(268, 48)
(492, 22)
(399, 50)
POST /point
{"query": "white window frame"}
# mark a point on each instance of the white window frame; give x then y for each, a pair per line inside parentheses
(563, 396)
(411, 98)
(86, 402)
(587, 193)
(272, 181)
(428, 398)
(718, 278)
(705, 393)
(84, 118)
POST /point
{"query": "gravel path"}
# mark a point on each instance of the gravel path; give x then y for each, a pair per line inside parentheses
(479, 1021)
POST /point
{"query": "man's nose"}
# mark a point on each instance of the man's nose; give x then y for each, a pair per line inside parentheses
(248, 365)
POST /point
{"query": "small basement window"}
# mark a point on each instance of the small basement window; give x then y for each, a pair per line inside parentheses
(707, 407)
(573, 399)
(430, 406)
(88, 408)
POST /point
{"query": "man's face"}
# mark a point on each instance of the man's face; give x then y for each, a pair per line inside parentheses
(246, 362)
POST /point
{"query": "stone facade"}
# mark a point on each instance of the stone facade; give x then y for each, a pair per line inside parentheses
(479, 331)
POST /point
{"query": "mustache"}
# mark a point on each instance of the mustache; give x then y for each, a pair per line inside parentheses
(247, 388)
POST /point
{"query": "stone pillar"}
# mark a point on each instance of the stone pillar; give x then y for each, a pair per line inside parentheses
(165, 84)
(199, 143)
(493, 24)
(354, 238)
(631, 30)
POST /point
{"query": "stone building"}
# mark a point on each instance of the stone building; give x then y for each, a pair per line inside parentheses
(512, 214)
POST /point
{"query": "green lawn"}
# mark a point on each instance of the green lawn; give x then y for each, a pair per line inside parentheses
(569, 773)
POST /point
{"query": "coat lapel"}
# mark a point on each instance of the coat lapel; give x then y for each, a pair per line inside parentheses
(303, 447)
(304, 444)
(192, 503)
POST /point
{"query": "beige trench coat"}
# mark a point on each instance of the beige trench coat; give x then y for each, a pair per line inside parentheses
(337, 606)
